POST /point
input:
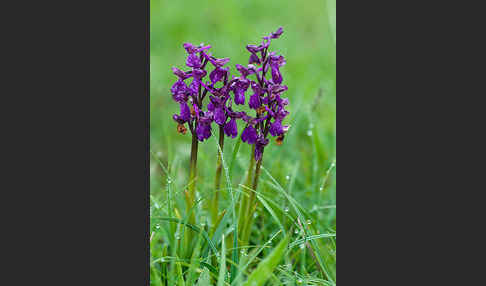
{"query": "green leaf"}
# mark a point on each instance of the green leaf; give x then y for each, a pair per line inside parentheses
(222, 264)
(265, 268)
(192, 227)
(204, 279)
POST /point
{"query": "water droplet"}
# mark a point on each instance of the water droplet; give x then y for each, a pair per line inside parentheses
(296, 231)
(309, 132)
(255, 215)
(309, 221)
(157, 226)
(286, 209)
(159, 154)
(302, 245)
(169, 181)
(299, 281)
(321, 188)
(287, 177)
(177, 236)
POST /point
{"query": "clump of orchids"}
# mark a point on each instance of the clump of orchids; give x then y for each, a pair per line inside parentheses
(209, 98)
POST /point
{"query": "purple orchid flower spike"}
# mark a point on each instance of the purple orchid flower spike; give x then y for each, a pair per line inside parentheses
(266, 99)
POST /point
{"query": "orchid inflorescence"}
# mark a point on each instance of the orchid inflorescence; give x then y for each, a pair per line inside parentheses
(266, 98)
(210, 97)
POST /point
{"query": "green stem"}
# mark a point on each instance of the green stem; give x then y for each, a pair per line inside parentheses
(217, 182)
(192, 178)
(244, 198)
(251, 204)
(190, 196)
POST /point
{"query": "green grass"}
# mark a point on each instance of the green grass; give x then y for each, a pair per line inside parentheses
(292, 240)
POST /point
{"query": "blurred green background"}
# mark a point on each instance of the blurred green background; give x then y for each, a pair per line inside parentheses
(309, 46)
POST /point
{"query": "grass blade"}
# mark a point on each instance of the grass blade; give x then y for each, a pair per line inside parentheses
(222, 264)
(265, 268)
(204, 279)
(192, 227)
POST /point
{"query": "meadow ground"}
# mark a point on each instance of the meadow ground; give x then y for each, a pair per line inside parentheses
(297, 190)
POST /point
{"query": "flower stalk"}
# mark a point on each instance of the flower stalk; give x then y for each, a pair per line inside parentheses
(192, 178)
(217, 182)
(244, 201)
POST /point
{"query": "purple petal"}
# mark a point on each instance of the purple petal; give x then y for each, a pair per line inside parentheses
(219, 116)
(254, 49)
(277, 34)
(198, 73)
(194, 87)
(182, 75)
(217, 74)
(255, 102)
(193, 61)
(185, 112)
(249, 135)
(211, 106)
(230, 128)
(244, 71)
(239, 96)
(218, 62)
(276, 128)
(254, 59)
(203, 131)
(190, 48)
(276, 75)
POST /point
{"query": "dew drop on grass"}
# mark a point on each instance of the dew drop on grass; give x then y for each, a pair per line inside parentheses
(286, 209)
(309, 221)
(296, 231)
(321, 188)
(309, 132)
(302, 245)
(287, 177)
(299, 281)
(255, 215)
(157, 226)
(177, 236)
